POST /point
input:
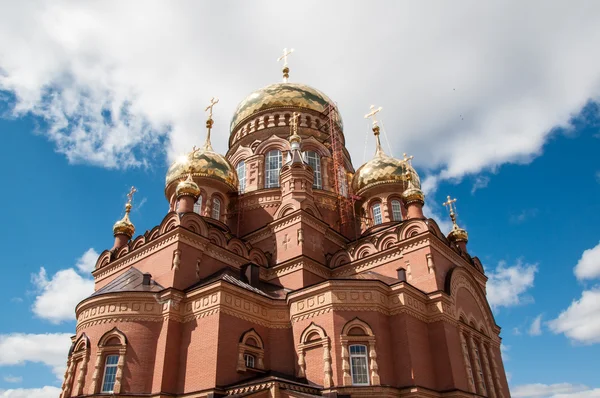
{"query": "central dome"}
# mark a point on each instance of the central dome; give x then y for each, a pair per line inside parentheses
(281, 95)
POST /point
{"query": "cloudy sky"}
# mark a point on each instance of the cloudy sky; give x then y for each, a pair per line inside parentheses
(497, 102)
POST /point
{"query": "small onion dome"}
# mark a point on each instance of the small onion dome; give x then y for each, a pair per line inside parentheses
(281, 95)
(188, 187)
(413, 195)
(383, 169)
(124, 226)
(458, 234)
(202, 163)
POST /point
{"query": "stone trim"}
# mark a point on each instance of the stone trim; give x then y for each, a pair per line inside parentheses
(80, 356)
(369, 338)
(322, 341)
(257, 351)
(103, 352)
(293, 266)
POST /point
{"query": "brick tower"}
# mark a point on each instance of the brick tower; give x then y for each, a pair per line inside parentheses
(279, 271)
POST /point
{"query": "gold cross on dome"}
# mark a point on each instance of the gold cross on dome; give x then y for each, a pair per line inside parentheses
(130, 195)
(284, 57)
(373, 113)
(407, 159)
(451, 208)
(209, 108)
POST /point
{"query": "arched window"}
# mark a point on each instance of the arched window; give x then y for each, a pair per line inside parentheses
(272, 167)
(198, 205)
(241, 172)
(249, 360)
(216, 208)
(110, 374)
(376, 213)
(314, 161)
(396, 210)
(359, 368)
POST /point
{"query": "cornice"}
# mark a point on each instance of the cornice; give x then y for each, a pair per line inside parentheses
(294, 265)
(368, 262)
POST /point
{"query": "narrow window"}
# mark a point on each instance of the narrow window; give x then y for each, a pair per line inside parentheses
(241, 172)
(272, 167)
(314, 161)
(396, 210)
(358, 365)
(376, 210)
(480, 369)
(216, 209)
(249, 359)
(198, 205)
(110, 373)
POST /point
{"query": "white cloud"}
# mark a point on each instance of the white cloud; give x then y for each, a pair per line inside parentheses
(516, 331)
(12, 379)
(558, 390)
(44, 392)
(59, 295)
(507, 286)
(504, 351)
(479, 183)
(50, 349)
(588, 266)
(114, 97)
(87, 261)
(536, 326)
(581, 321)
(524, 215)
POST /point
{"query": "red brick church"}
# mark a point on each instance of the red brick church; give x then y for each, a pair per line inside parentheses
(281, 271)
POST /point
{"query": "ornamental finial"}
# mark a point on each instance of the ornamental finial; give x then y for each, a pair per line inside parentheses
(451, 208)
(285, 70)
(375, 111)
(209, 122)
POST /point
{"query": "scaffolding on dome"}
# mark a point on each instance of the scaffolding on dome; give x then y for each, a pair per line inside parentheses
(342, 188)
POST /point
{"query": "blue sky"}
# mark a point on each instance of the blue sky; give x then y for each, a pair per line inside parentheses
(513, 133)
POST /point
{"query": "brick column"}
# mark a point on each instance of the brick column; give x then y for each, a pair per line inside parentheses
(467, 358)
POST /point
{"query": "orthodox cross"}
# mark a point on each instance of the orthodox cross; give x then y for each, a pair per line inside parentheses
(285, 70)
(294, 123)
(407, 159)
(286, 241)
(130, 195)
(372, 114)
(209, 122)
(209, 108)
(451, 208)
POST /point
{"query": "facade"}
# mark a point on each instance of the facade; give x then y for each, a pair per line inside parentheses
(281, 271)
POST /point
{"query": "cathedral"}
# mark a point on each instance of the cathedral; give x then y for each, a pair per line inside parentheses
(279, 270)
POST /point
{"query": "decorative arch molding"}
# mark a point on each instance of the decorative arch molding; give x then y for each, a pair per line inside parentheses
(217, 237)
(104, 258)
(311, 209)
(107, 346)
(257, 256)
(241, 153)
(246, 346)
(273, 142)
(312, 144)
(238, 247)
(307, 341)
(366, 336)
(137, 242)
(459, 278)
(410, 228)
(168, 223)
(77, 364)
(341, 257)
(284, 210)
(121, 251)
(434, 227)
(386, 240)
(363, 250)
(195, 223)
(153, 234)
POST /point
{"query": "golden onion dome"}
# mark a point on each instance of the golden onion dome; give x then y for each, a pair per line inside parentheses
(458, 234)
(188, 187)
(124, 226)
(203, 162)
(383, 169)
(413, 195)
(282, 95)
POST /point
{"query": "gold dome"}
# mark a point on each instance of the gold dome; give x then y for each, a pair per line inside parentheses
(282, 95)
(188, 187)
(412, 195)
(383, 169)
(124, 226)
(458, 234)
(203, 162)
